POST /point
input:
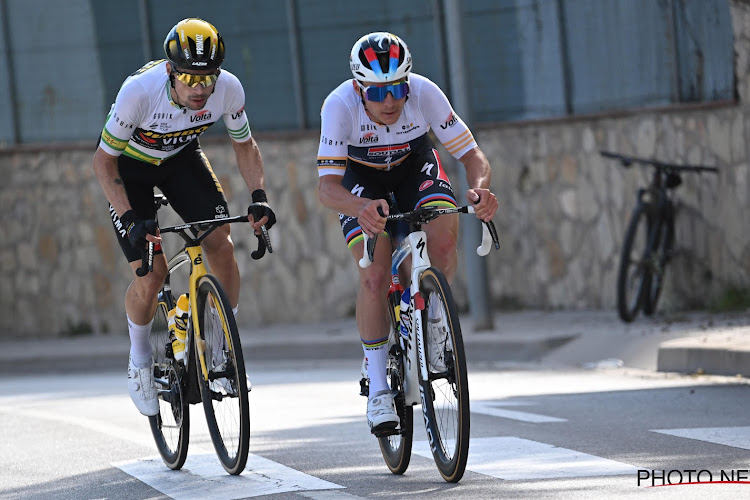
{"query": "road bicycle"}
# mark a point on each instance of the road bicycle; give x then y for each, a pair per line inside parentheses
(426, 367)
(213, 371)
(648, 245)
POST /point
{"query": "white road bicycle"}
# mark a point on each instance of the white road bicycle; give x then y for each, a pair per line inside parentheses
(426, 360)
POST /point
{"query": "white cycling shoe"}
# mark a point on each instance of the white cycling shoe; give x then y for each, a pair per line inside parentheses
(381, 412)
(142, 389)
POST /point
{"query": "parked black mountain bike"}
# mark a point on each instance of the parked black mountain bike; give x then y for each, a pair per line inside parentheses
(649, 238)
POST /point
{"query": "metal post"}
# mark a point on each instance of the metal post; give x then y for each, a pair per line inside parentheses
(471, 228)
(145, 29)
(10, 71)
(293, 31)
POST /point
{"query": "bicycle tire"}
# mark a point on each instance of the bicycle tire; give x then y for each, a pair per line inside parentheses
(445, 393)
(633, 273)
(396, 449)
(224, 393)
(171, 427)
(660, 255)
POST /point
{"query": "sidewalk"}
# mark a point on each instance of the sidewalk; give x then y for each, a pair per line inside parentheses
(686, 343)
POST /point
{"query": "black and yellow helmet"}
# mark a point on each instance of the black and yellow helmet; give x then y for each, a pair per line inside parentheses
(194, 44)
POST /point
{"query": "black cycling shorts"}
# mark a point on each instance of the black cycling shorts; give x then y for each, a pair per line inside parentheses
(417, 181)
(187, 181)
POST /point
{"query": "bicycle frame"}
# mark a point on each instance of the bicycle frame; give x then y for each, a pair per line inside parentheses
(420, 261)
(415, 244)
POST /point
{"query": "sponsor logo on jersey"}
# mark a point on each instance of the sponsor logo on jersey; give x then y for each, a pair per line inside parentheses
(450, 121)
(425, 185)
(385, 151)
(332, 162)
(368, 138)
(405, 129)
(201, 116)
(330, 142)
(366, 127)
(122, 123)
(169, 141)
(238, 113)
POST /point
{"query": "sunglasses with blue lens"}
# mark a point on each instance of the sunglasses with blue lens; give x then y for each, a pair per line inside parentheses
(378, 93)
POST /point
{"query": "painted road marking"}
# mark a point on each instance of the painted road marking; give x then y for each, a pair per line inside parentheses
(203, 477)
(493, 409)
(513, 458)
(737, 437)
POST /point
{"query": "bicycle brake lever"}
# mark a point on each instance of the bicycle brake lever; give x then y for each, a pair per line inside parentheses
(369, 254)
(264, 243)
(489, 236)
(266, 238)
(147, 261)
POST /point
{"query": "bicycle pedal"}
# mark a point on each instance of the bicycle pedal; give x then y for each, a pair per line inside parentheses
(385, 430)
(364, 387)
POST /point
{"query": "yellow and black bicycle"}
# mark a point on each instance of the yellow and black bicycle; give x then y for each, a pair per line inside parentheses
(213, 369)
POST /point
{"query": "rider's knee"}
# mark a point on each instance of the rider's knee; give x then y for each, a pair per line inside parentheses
(375, 281)
(219, 244)
(443, 247)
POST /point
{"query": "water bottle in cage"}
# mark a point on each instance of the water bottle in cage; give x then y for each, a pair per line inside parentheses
(405, 313)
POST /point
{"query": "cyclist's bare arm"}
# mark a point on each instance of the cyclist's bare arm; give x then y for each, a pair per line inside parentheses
(335, 196)
(250, 165)
(105, 168)
(478, 177)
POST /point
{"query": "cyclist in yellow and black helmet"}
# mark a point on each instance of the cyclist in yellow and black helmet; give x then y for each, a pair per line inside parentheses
(150, 140)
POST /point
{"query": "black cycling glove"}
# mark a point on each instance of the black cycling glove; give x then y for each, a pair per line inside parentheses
(138, 228)
(259, 208)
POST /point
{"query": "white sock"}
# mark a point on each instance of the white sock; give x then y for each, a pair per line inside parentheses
(140, 347)
(376, 353)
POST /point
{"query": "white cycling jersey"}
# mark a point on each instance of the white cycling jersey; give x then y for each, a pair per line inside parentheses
(146, 124)
(348, 133)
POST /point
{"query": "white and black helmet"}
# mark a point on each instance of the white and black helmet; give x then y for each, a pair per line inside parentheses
(380, 57)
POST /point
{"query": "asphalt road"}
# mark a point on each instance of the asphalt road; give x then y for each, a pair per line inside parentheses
(537, 430)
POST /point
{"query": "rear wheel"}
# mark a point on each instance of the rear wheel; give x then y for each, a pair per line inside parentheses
(445, 393)
(396, 449)
(171, 427)
(633, 276)
(221, 376)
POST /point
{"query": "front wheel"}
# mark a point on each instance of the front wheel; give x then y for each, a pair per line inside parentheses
(445, 393)
(171, 427)
(633, 276)
(221, 376)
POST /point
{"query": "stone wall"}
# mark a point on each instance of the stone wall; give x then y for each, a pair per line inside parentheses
(563, 211)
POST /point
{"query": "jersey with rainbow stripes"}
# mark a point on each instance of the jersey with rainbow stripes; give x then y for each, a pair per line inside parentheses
(146, 124)
(347, 132)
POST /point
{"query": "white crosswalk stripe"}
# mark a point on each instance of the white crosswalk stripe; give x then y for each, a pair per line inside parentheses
(738, 437)
(203, 477)
(514, 458)
(494, 409)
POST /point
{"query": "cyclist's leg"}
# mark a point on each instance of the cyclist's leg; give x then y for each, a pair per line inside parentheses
(141, 296)
(373, 321)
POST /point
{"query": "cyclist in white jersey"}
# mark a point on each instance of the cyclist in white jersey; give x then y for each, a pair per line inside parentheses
(374, 140)
(150, 139)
